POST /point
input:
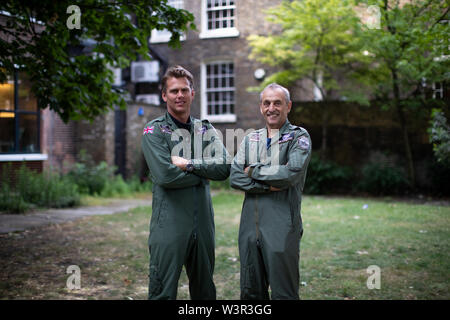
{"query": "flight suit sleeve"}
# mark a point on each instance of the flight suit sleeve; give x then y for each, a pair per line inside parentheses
(285, 176)
(239, 179)
(158, 158)
(216, 161)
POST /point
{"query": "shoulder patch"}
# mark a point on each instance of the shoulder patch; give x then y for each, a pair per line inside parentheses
(286, 137)
(254, 136)
(201, 129)
(165, 129)
(148, 129)
(303, 142)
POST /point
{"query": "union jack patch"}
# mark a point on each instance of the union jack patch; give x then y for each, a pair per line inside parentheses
(165, 129)
(148, 130)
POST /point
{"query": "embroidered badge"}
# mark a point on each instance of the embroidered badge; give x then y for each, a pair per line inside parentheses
(254, 137)
(148, 130)
(202, 129)
(286, 137)
(165, 129)
(303, 142)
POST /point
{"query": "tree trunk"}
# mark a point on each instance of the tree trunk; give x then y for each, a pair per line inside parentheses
(401, 115)
(325, 118)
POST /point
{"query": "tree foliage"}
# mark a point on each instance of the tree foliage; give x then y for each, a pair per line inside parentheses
(330, 43)
(316, 42)
(35, 38)
(409, 48)
(439, 132)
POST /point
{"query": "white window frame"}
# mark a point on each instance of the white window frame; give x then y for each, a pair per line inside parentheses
(163, 36)
(221, 118)
(217, 33)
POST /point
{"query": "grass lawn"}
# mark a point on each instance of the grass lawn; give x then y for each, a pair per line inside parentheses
(408, 242)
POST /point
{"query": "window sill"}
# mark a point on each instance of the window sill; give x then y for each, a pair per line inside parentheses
(223, 118)
(23, 157)
(164, 39)
(219, 33)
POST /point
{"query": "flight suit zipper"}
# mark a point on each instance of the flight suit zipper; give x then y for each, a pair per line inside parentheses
(194, 188)
(194, 234)
(258, 242)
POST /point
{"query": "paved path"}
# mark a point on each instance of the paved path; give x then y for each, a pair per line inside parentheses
(21, 222)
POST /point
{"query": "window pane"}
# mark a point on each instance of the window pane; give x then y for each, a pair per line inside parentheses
(6, 131)
(28, 133)
(220, 96)
(27, 100)
(7, 95)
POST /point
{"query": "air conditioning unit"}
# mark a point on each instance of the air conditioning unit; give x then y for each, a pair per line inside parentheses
(148, 98)
(145, 71)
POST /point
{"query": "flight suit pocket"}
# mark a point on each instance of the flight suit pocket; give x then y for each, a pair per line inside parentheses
(249, 281)
(159, 211)
(155, 284)
(162, 215)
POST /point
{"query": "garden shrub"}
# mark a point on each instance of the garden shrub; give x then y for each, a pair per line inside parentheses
(379, 179)
(325, 177)
(439, 174)
(32, 189)
(90, 178)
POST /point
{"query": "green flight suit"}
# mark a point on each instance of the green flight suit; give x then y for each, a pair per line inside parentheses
(271, 225)
(182, 222)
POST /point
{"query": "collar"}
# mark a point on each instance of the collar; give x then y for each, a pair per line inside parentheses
(175, 124)
(283, 130)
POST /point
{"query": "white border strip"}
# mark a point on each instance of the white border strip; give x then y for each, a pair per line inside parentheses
(23, 157)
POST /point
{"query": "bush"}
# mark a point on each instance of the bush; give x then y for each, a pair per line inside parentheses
(439, 132)
(439, 174)
(90, 178)
(12, 201)
(324, 177)
(32, 189)
(380, 179)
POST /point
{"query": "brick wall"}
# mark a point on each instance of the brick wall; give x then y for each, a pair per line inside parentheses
(195, 51)
(8, 170)
(57, 141)
(135, 162)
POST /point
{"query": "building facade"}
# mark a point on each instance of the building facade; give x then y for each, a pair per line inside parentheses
(217, 54)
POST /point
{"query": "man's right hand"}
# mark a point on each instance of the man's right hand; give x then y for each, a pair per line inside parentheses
(274, 189)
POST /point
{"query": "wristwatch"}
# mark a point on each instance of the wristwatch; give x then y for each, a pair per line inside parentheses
(190, 166)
